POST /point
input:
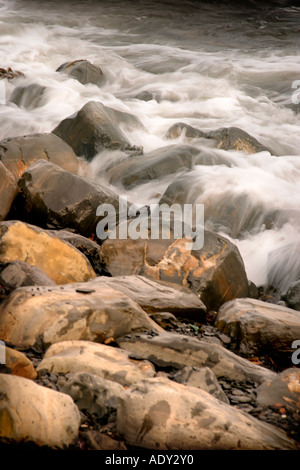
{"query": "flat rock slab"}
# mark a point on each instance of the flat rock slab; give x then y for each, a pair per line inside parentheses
(41, 316)
(30, 413)
(60, 261)
(257, 327)
(283, 391)
(96, 127)
(18, 153)
(157, 296)
(216, 272)
(97, 359)
(177, 351)
(164, 415)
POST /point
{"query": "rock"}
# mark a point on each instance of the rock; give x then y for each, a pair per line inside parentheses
(8, 191)
(28, 96)
(163, 415)
(97, 359)
(18, 153)
(188, 131)
(60, 261)
(292, 295)
(84, 71)
(95, 440)
(157, 296)
(177, 351)
(37, 316)
(156, 164)
(216, 272)
(203, 378)
(17, 274)
(57, 199)
(96, 127)
(18, 364)
(233, 138)
(93, 394)
(283, 390)
(259, 328)
(30, 413)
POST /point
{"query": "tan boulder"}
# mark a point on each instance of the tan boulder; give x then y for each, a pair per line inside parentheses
(30, 413)
(19, 364)
(59, 260)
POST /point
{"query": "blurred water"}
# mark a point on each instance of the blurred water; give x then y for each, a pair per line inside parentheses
(208, 64)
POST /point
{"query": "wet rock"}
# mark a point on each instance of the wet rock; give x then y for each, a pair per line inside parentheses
(60, 261)
(188, 131)
(37, 316)
(53, 198)
(8, 191)
(97, 359)
(283, 266)
(177, 351)
(157, 296)
(18, 153)
(153, 165)
(191, 419)
(18, 364)
(93, 394)
(28, 96)
(17, 274)
(292, 295)
(84, 71)
(282, 392)
(216, 272)
(203, 378)
(257, 327)
(233, 138)
(96, 127)
(30, 413)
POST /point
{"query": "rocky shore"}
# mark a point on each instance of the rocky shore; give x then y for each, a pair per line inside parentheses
(123, 344)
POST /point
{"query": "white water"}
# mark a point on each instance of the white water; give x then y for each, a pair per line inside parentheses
(209, 65)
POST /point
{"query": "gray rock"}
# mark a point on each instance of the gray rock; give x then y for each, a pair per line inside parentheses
(233, 138)
(292, 295)
(17, 274)
(84, 71)
(28, 96)
(179, 128)
(96, 127)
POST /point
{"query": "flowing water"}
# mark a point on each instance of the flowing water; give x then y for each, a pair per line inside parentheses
(208, 64)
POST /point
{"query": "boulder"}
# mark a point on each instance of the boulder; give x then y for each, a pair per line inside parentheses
(18, 273)
(233, 138)
(30, 413)
(283, 391)
(157, 296)
(177, 351)
(203, 378)
(259, 328)
(98, 359)
(84, 71)
(216, 272)
(18, 153)
(8, 191)
(188, 131)
(54, 198)
(163, 415)
(18, 364)
(153, 165)
(28, 96)
(292, 295)
(60, 261)
(41, 316)
(96, 127)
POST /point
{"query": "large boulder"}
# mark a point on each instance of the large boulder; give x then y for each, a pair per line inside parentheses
(98, 359)
(53, 198)
(156, 164)
(172, 350)
(8, 191)
(157, 296)
(41, 316)
(59, 260)
(84, 71)
(18, 153)
(30, 413)
(96, 127)
(163, 415)
(216, 272)
(259, 328)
